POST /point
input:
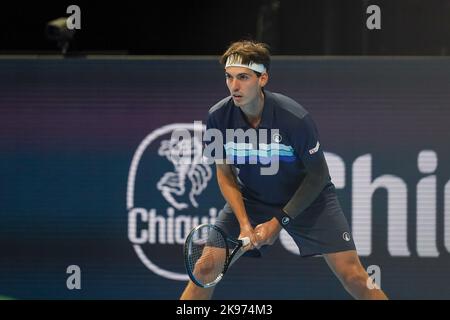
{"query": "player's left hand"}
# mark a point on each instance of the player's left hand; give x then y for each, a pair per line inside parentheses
(267, 232)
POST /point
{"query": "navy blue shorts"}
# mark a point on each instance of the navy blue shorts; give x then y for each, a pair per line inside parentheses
(322, 228)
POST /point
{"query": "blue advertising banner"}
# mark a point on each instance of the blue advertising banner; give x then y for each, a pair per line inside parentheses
(88, 185)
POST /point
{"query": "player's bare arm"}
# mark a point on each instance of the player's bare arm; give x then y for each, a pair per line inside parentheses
(230, 191)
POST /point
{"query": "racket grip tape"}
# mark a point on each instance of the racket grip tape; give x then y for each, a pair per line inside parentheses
(245, 241)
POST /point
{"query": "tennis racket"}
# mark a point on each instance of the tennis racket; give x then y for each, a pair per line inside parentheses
(209, 252)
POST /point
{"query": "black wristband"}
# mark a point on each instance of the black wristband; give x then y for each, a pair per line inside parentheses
(282, 217)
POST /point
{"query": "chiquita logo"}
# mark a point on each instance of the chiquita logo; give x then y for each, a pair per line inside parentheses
(163, 197)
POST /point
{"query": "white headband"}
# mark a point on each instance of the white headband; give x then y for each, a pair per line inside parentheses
(236, 61)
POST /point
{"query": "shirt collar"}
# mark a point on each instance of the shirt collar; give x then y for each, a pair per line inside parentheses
(266, 117)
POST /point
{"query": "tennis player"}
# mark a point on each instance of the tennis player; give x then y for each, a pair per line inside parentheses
(300, 197)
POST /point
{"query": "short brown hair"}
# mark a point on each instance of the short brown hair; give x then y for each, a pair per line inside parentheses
(249, 51)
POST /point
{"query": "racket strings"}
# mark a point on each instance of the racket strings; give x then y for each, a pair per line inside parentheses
(207, 255)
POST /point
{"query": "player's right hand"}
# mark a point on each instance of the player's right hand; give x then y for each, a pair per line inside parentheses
(267, 233)
(249, 232)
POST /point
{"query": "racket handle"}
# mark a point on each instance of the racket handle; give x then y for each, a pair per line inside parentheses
(237, 256)
(245, 241)
(242, 250)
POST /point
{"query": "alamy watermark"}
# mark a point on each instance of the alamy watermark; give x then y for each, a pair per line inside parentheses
(74, 20)
(374, 20)
(74, 280)
(252, 146)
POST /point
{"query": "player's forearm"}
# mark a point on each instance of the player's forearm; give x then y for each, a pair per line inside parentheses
(310, 188)
(304, 196)
(232, 194)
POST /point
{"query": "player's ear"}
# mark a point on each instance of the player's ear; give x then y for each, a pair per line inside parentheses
(263, 79)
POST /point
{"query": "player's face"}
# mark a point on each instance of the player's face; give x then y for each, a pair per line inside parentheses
(244, 85)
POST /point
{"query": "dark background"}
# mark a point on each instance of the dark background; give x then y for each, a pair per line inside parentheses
(69, 129)
(310, 27)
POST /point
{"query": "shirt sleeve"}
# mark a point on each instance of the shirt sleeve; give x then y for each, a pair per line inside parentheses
(306, 141)
(306, 144)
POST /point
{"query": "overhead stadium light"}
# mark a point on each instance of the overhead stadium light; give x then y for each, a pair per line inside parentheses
(56, 30)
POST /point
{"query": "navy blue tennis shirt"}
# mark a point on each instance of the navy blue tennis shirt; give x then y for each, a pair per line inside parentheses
(294, 145)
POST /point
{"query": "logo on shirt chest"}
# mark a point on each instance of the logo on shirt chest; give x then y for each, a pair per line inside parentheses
(276, 137)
